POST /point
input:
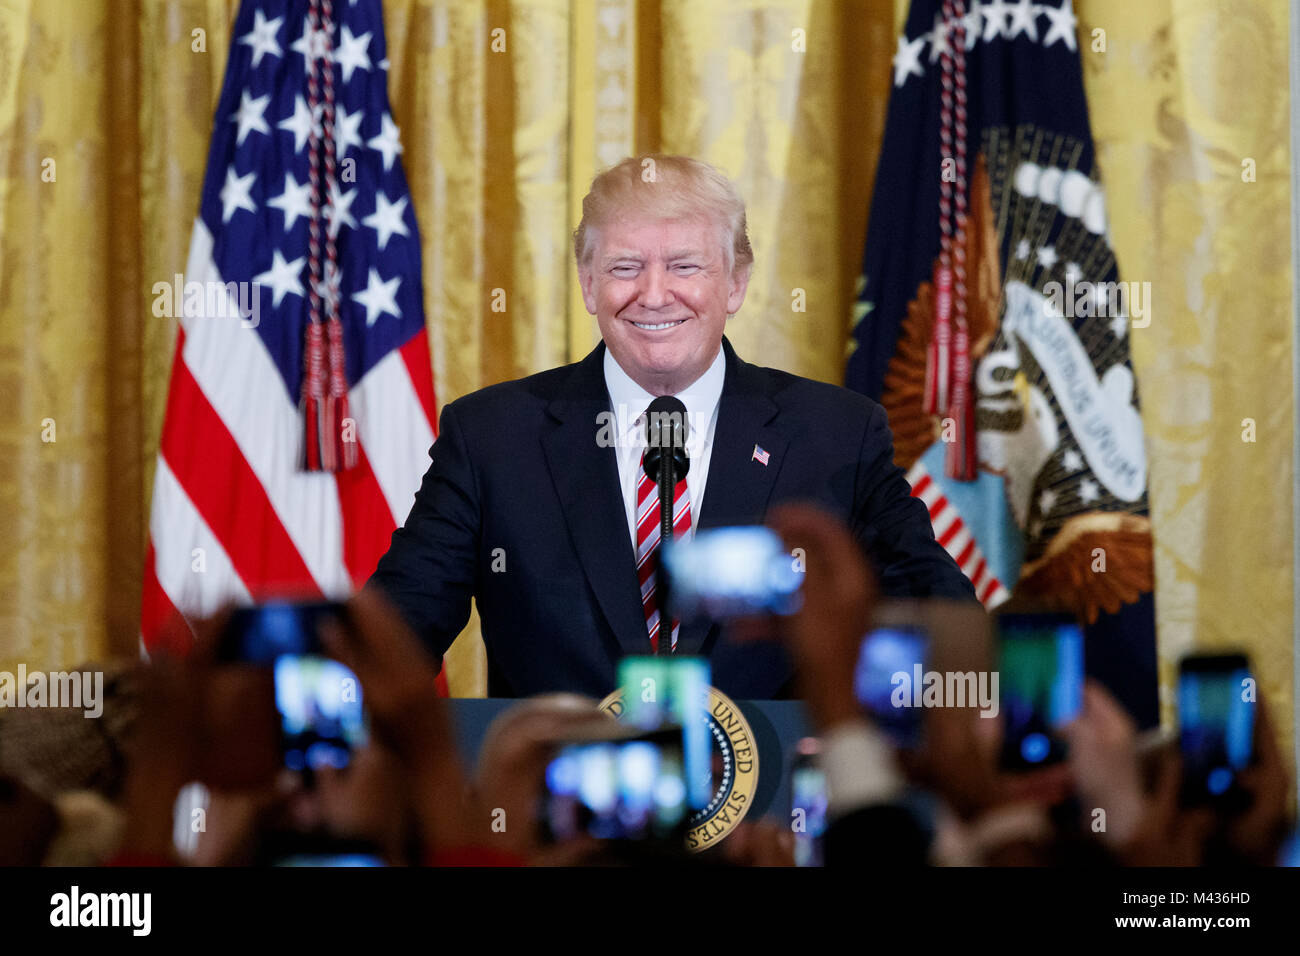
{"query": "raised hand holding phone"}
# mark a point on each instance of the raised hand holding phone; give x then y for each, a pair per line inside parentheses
(398, 678)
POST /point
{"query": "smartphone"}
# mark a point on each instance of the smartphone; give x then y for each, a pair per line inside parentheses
(1040, 664)
(622, 786)
(317, 699)
(808, 801)
(1216, 713)
(889, 657)
(923, 654)
(721, 574)
(673, 692)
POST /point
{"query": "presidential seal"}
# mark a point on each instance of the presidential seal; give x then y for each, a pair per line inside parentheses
(734, 756)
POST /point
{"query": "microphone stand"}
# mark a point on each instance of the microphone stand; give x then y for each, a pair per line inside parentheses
(666, 464)
(667, 484)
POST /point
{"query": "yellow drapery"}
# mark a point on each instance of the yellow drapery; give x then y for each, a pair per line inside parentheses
(502, 132)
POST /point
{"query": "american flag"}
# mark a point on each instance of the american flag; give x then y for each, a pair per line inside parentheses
(301, 219)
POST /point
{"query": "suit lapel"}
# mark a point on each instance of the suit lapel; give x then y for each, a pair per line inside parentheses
(586, 480)
(738, 486)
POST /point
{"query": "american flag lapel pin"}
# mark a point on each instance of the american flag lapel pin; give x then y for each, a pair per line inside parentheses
(760, 456)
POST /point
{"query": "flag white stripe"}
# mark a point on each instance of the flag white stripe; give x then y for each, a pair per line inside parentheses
(394, 431)
(241, 382)
(959, 542)
(930, 495)
(944, 520)
(178, 529)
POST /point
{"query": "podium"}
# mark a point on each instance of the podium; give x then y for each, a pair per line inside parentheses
(777, 726)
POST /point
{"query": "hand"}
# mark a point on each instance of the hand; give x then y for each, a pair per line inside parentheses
(1168, 834)
(511, 771)
(1256, 835)
(167, 737)
(398, 678)
(365, 800)
(958, 759)
(232, 824)
(838, 597)
(398, 686)
(1104, 763)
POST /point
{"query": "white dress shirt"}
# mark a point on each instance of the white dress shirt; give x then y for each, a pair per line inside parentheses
(629, 401)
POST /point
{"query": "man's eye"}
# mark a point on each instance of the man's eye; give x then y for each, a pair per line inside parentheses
(624, 272)
(686, 268)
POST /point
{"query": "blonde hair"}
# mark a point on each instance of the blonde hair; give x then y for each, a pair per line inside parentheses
(665, 188)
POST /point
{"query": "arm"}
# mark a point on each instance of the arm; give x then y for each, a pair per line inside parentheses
(429, 570)
(895, 528)
(867, 818)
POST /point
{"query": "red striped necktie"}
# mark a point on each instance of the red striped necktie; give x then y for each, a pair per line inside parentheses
(647, 545)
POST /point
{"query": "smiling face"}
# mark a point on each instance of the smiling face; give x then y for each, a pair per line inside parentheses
(661, 293)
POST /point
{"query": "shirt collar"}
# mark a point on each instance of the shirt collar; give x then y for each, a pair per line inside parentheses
(629, 400)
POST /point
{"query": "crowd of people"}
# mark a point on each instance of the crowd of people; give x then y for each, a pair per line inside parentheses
(105, 791)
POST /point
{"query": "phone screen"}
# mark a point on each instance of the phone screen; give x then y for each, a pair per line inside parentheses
(887, 653)
(1040, 659)
(319, 702)
(673, 691)
(1217, 717)
(725, 573)
(628, 789)
(318, 699)
(808, 803)
(317, 848)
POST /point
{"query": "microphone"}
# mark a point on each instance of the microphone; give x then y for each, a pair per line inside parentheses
(667, 429)
(666, 463)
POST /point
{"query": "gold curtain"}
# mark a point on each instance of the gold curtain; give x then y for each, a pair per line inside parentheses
(503, 131)
(1190, 112)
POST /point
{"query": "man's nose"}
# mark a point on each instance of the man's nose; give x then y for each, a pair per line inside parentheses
(654, 292)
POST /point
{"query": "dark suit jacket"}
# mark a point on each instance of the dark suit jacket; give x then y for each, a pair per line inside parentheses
(522, 511)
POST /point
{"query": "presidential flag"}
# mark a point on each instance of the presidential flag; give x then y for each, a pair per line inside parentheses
(992, 324)
(301, 404)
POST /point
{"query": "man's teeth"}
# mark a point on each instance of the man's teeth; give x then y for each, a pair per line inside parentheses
(656, 328)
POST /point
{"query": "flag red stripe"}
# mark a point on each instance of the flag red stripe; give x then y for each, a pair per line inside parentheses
(367, 520)
(157, 613)
(989, 588)
(954, 529)
(206, 461)
(415, 353)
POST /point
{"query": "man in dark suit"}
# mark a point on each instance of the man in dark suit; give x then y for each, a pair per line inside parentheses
(535, 503)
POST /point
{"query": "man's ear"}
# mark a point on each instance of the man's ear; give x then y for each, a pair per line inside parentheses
(739, 284)
(586, 280)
